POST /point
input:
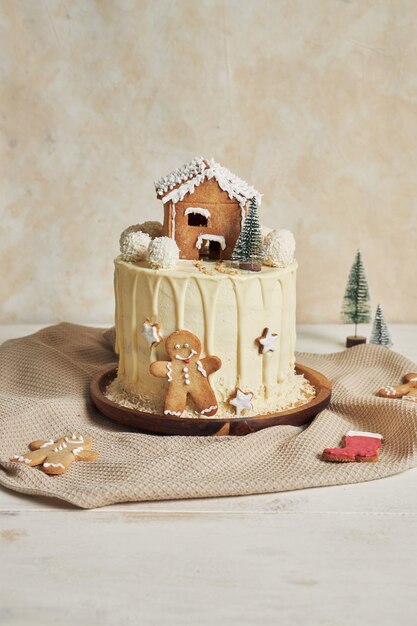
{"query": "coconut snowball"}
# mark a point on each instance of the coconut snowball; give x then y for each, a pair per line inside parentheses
(163, 253)
(279, 248)
(134, 246)
(153, 229)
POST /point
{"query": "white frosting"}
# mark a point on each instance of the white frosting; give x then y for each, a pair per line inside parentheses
(208, 237)
(185, 358)
(77, 451)
(209, 409)
(21, 458)
(77, 439)
(163, 253)
(173, 215)
(47, 443)
(359, 433)
(176, 413)
(191, 175)
(197, 211)
(169, 370)
(54, 465)
(201, 369)
(227, 313)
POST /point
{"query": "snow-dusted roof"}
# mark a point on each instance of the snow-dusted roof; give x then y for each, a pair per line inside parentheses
(185, 179)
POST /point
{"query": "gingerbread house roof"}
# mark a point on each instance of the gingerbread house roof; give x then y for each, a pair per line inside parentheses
(185, 179)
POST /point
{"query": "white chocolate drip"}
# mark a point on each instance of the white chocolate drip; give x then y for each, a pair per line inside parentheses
(226, 311)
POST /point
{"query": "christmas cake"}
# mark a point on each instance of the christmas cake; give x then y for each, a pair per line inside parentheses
(205, 305)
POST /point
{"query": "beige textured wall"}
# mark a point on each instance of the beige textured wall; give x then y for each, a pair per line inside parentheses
(312, 101)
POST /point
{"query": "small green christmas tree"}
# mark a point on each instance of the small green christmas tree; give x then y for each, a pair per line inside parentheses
(249, 249)
(380, 333)
(356, 309)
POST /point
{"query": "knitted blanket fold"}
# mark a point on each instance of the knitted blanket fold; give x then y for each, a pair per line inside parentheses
(44, 394)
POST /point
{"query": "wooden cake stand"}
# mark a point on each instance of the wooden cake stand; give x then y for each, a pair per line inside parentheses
(169, 425)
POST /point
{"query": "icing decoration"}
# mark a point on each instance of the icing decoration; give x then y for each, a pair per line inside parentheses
(357, 446)
(47, 443)
(400, 391)
(242, 401)
(183, 180)
(267, 341)
(198, 211)
(201, 368)
(54, 465)
(183, 347)
(75, 439)
(208, 237)
(55, 457)
(209, 409)
(173, 215)
(134, 246)
(163, 253)
(279, 248)
(169, 370)
(187, 358)
(151, 332)
(21, 458)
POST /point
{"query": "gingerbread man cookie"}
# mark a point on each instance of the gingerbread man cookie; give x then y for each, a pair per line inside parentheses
(187, 374)
(400, 391)
(55, 457)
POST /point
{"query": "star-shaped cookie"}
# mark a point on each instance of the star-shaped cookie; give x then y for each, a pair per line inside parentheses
(242, 401)
(267, 341)
(151, 332)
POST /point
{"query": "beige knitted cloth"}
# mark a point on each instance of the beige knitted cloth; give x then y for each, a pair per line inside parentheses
(44, 393)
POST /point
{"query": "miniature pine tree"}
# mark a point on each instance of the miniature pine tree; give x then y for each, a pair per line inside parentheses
(249, 249)
(356, 309)
(380, 333)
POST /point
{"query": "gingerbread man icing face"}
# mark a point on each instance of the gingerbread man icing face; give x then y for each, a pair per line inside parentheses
(183, 347)
(187, 374)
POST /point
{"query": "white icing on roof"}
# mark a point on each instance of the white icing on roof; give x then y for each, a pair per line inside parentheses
(191, 175)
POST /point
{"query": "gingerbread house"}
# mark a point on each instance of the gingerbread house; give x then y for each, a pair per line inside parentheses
(204, 208)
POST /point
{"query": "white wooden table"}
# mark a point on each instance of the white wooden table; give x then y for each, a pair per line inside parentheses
(330, 556)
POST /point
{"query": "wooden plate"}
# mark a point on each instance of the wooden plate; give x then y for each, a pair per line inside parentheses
(168, 425)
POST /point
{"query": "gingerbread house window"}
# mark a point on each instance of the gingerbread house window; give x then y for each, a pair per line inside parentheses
(197, 216)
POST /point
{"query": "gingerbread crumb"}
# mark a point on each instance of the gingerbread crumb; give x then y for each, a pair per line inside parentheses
(226, 269)
(202, 268)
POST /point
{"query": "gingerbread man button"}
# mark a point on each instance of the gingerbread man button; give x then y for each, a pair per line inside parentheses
(187, 374)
